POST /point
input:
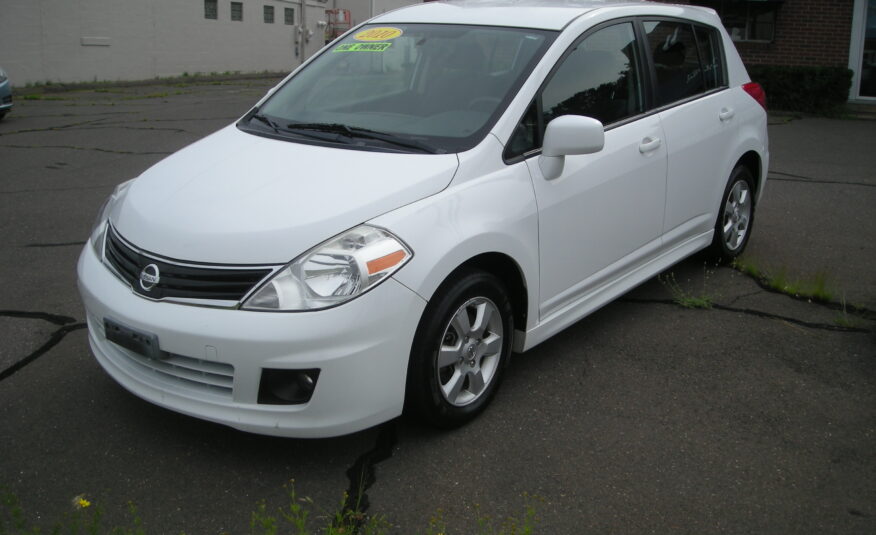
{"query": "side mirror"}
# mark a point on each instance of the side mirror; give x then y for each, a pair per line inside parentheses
(566, 136)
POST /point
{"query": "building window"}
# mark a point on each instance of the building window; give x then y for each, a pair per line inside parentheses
(236, 10)
(289, 15)
(749, 20)
(211, 10)
(269, 14)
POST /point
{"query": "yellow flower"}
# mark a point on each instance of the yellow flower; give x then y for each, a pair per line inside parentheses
(79, 502)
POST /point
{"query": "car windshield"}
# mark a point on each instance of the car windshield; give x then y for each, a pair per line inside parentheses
(409, 87)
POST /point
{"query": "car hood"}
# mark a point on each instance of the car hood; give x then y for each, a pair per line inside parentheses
(238, 198)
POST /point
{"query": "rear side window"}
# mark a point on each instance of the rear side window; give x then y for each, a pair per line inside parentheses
(676, 60)
(709, 46)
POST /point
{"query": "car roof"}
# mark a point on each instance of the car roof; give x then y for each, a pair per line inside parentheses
(541, 14)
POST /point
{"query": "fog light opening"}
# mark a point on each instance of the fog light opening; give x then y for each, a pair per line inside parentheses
(287, 387)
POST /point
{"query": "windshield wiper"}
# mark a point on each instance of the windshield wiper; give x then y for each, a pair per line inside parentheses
(263, 118)
(355, 131)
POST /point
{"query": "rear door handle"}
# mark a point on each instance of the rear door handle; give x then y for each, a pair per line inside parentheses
(649, 144)
(726, 114)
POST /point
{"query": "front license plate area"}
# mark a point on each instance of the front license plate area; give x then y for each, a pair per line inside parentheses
(139, 342)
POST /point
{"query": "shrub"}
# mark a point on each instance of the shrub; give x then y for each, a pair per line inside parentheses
(806, 89)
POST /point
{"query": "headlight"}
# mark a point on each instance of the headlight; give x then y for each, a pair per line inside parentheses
(341, 269)
(98, 230)
(3, 76)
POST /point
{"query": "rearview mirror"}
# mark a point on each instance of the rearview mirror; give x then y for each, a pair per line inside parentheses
(565, 136)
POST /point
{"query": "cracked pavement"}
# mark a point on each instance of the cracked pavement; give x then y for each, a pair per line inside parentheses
(757, 415)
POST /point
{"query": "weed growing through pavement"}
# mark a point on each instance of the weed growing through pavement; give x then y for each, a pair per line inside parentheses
(299, 516)
(815, 288)
(844, 319)
(684, 298)
(83, 518)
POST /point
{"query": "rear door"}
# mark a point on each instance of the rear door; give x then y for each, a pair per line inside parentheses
(698, 119)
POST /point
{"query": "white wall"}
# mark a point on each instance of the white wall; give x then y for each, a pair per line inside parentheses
(87, 40)
(362, 10)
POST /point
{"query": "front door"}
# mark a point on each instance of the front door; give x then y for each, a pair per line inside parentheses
(604, 214)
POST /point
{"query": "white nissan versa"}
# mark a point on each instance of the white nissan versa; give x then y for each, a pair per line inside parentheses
(442, 185)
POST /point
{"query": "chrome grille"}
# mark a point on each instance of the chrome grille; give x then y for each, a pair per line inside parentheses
(178, 279)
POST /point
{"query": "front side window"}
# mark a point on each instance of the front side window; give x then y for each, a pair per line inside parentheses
(599, 78)
(441, 86)
(676, 60)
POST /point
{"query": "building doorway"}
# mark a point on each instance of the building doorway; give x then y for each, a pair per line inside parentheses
(862, 59)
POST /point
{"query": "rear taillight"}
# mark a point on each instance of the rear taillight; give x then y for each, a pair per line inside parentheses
(757, 93)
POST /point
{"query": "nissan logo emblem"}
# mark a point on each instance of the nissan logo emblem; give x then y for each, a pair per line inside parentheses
(149, 277)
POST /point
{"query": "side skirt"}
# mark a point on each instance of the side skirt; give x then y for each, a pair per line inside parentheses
(601, 296)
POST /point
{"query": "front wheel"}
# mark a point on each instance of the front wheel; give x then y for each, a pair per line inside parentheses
(460, 350)
(736, 216)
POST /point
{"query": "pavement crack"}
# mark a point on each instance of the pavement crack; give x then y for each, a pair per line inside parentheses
(789, 177)
(96, 149)
(743, 296)
(54, 339)
(757, 313)
(51, 128)
(55, 319)
(190, 119)
(763, 283)
(58, 244)
(363, 473)
(72, 188)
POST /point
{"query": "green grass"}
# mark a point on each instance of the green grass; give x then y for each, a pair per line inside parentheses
(843, 319)
(41, 97)
(162, 94)
(297, 516)
(816, 287)
(684, 298)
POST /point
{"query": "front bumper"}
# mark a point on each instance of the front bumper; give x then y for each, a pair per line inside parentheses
(217, 355)
(5, 97)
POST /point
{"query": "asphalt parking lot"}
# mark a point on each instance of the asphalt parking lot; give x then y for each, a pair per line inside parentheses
(756, 415)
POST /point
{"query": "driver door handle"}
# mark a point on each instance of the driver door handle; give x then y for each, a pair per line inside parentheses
(649, 144)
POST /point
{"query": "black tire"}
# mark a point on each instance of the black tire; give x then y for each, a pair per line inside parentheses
(736, 213)
(3, 114)
(430, 392)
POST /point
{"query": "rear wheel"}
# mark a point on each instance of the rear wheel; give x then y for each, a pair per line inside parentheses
(460, 350)
(735, 220)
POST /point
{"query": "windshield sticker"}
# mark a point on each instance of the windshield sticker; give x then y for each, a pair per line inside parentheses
(378, 34)
(362, 47)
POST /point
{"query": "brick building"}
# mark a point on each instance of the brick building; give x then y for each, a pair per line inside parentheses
(828, 33)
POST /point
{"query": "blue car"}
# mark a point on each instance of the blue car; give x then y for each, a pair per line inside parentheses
(5, 94)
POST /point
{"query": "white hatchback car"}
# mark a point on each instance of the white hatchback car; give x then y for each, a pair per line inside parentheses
(442, 185)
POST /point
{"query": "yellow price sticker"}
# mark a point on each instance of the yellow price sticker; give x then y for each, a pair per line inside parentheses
(378, 34)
